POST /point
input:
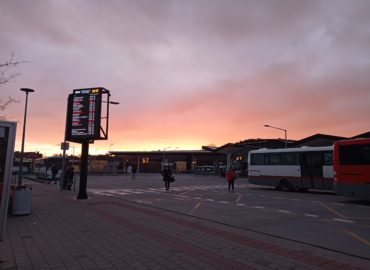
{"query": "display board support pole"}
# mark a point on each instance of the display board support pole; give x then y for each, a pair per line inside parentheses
(82, 193)
(62, 180)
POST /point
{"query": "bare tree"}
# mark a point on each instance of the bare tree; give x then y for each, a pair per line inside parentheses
(5, 103)
(6, 76)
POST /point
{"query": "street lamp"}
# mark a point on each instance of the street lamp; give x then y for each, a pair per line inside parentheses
(285, 133)
(26, 90)
(73, 153)
(164, 154)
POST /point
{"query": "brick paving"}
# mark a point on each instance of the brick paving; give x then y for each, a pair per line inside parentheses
(111, 233)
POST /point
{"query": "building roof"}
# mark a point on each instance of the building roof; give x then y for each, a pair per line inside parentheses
(318, 140)
(252, 144)
(362, 135)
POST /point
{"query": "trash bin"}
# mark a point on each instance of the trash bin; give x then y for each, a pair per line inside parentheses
(22, 200)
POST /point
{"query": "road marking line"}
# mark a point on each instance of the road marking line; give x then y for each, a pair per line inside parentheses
(122, 193)
(335, 203)
(195, 208)
(258, 207)
(142, 201)
(343, 220)
(279, 198)
(209, 200)
(240, 204)
(363, 206)
(224, 202)
(309, 215)
(332, 210)
(105, 194)
(359, 238)
(238, 199)
(263, 196)
(185, 192)
(284, 211)
(197, 198)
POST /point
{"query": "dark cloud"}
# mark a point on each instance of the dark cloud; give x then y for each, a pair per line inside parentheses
(236, 64)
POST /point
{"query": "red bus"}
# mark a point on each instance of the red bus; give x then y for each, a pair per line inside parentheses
(351, 163)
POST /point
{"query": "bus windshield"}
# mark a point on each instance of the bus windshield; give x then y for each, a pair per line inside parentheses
(356, 154)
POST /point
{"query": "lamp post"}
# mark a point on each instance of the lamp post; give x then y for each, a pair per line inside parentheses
(26, 90)
(164, 155)
(73, 153)
(285, 133)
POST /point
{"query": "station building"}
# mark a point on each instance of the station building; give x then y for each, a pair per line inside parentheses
(182, 161)
(208, 160)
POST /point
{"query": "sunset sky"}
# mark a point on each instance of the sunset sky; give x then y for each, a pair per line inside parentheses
(190, 73)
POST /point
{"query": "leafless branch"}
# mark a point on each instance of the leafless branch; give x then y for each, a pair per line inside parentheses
(4, 70)
(12, 63)
(5, 103)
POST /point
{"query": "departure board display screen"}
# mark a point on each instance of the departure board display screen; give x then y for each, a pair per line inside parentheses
(84, 114)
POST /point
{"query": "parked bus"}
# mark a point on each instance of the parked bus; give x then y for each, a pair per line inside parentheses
(292, 168)
(352, 168)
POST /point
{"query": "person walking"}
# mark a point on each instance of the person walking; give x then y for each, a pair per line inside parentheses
(69, 176)
(222, 172)
(133, 172)
(230, 177)
(54, 172)
(167, 177)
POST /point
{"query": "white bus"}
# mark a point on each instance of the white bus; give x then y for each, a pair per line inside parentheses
(292, 168)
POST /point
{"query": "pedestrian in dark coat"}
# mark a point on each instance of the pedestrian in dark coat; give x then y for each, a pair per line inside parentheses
(167, 177)
(54, 172)
(69, 176)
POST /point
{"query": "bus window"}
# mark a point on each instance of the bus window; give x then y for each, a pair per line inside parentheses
(274, 158)
(328, 158)
(258, 159)
(356, 154)
(316, 159)
(290, 158)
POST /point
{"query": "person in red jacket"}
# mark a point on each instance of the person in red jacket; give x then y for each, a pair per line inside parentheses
(230, 177)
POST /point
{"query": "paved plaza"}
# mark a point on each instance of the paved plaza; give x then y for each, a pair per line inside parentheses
(108, 231)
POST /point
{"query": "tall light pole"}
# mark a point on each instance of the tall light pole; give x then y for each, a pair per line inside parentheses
(285, 133)
(164, 155)
(26, 90)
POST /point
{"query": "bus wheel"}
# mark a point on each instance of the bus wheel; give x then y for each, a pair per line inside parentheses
(284, 185)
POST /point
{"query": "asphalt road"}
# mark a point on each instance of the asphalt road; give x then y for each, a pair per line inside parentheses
(317, 218)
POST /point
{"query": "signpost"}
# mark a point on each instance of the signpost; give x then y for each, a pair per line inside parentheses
(64, 146)
(84, 124)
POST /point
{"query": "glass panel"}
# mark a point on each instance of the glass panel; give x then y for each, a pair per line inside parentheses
(274, 159)
(328, 158)
(290, 158)
(258, 159)
(358, 154)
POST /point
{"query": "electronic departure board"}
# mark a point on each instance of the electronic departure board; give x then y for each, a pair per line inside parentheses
(84, 114)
